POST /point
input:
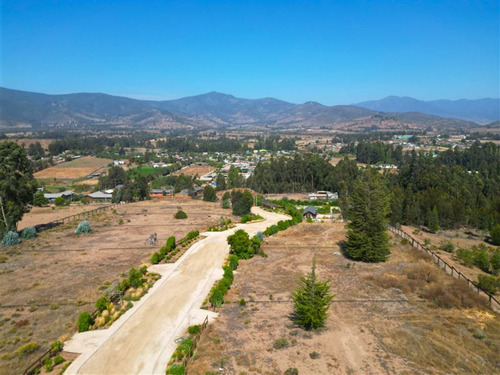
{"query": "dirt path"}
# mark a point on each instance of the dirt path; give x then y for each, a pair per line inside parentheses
(142, 340)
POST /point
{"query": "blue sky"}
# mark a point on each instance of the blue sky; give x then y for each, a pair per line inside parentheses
(333, 52)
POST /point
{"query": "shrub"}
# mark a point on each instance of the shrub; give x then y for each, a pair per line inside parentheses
(180, 215)
(242, 302)
(83, 227)
(48, 364)
(135, 279)
(314, 355)
(447, 246)
(58, 360)
(101, 304)
(29, 232)
(194, 330)
(176, 370)
(488, 283)
(85, 320)
(495, 234)
(39, 200)
(217, 298)
(404, 241)
(155, 258)
(11, 238)
(495, 262)
(233, 261)
(57, 346)
(170, 243)
(482, 259)
(228, 273)
(291, 371)
(465, 256)
(27, 349)
(60, 201)
(280, 343)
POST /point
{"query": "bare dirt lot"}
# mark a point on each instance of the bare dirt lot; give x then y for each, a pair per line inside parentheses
(385, 318)
(45, 283)
(192, 170)
(74, 169)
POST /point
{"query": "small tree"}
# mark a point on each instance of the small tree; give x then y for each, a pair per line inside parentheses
(39, 200)
(221, 182)
(495, 234)
(209, 194)
(311, 301)
(85, 320)
(180, 215)
(433, 220)
(242, 202)
(217, 298)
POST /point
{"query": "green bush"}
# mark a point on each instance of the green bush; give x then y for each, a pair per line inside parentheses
(48, 364)
(60, 201)
(11, 238)
(29, 232)
(176, 370)
(242, 302)
(85, 320)
(465, 256)
(233, 261)
(39, 200)
(495, 262)
(135, 279)
(250, 217)
(291, 371)
(482, 259)
(195, 329)
(488, 283)
(58, 360)
(447, 246)
(217, 298)
(180, 215)
(170, 243)
(101, 304)
(83, 227)
(155, 258)
(495, 234)
(228, 273)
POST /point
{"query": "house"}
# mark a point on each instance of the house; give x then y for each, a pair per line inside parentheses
(161, 193)
(67, 194)
(118, 162)
(310, 212)
(100, 196)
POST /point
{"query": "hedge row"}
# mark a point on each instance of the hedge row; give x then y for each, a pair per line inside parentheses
(216, 298)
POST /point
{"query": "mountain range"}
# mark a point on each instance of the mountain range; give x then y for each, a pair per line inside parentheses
(21, 109)
(479, 110)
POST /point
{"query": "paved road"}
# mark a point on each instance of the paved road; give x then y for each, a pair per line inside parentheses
(142, 340)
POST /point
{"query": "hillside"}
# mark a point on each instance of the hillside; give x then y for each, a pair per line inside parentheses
(20, 109)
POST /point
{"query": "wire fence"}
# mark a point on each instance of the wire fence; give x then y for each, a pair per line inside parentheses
(493, 303)
(81, 215)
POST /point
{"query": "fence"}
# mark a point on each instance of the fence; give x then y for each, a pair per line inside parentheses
(493, 303)
(80, 215)
(40, 361)
(196, 339)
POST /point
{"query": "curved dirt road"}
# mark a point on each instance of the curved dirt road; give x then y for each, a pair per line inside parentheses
(142, 340)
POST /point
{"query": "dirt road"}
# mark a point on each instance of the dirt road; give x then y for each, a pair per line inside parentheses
(142, 340)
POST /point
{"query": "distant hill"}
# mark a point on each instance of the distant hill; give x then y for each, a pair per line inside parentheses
(479, 110)
(20, 109)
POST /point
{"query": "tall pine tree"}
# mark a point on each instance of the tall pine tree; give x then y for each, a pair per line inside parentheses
(367, 238)
(311, 301)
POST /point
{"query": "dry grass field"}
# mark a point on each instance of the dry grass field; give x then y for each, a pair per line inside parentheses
(75, 169)
(404, 316)
(42, 215)
(46, 282)
(192, 170)
(458, 238)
